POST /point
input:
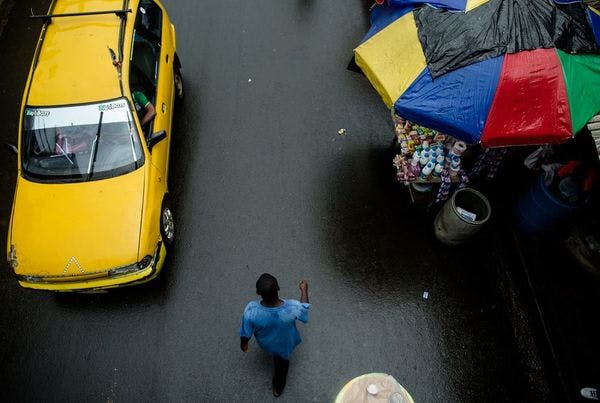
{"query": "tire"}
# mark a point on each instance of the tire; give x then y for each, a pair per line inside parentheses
(178, 83)
(167, 224)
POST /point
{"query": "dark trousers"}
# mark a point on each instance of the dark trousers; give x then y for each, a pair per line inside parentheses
(280, 372)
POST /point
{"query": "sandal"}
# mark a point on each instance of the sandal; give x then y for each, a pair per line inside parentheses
(276, 392)
(588, 393)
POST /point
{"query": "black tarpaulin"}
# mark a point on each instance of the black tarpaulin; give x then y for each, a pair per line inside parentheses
(453, 40)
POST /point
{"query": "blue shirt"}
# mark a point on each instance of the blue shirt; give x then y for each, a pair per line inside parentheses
(275, 327)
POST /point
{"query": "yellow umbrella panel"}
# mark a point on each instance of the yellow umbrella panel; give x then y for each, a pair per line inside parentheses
(392, 58)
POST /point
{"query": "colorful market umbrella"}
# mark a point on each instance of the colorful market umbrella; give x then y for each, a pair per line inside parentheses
(503, 72)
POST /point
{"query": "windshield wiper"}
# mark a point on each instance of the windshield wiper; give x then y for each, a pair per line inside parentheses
(131, 140)
(63, 152)
(94, 152)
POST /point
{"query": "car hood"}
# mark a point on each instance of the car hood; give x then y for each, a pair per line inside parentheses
(77, 228)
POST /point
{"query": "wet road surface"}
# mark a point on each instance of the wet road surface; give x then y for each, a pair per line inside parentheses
(262, 182)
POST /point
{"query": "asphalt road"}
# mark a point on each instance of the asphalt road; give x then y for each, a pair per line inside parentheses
(262, 182)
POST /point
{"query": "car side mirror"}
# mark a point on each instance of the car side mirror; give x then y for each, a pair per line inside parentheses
(156, 138)
(12, 148)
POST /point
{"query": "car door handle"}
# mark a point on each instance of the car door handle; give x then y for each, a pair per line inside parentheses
(164, 107)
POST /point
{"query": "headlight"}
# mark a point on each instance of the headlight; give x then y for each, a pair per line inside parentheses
(132, 268)
(145, 262)
(119, 271)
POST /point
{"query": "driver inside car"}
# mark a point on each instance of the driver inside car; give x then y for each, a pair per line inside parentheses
(144, 108)
(69, 144)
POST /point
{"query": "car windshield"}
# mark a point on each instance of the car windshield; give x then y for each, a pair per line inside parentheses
(80, 142)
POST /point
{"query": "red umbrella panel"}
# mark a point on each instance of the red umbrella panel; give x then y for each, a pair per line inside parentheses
(531, 102)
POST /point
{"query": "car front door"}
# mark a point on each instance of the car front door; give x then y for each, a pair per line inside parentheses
(152, 59)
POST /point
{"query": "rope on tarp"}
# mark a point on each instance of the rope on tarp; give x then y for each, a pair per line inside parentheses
(593, 3)
(594, 128)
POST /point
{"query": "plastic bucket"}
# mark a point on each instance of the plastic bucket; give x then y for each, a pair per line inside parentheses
(539, 211)
(462, 216)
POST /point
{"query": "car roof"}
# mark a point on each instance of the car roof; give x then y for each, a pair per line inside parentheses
(74, 63)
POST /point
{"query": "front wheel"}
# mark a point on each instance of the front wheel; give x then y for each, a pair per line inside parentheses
(167, 224)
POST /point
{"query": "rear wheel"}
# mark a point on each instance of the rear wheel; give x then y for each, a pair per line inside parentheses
(178, 82)
(167, 224)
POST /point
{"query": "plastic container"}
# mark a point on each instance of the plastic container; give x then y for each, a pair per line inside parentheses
(462, 216)
(538, 211)
(427, 169)
(458, 148)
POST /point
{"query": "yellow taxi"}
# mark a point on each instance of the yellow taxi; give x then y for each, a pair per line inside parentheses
(91, 207)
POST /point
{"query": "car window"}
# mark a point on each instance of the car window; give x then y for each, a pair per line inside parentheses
(150, 18)
(145, 55)
(74, 143)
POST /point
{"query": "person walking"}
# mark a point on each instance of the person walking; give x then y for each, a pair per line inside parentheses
(272, 321)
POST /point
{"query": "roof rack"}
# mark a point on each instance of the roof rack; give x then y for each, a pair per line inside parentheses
(48, 17)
